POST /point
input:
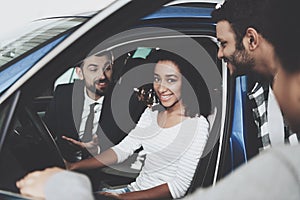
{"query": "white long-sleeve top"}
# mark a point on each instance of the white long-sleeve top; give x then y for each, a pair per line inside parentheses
(172, 154)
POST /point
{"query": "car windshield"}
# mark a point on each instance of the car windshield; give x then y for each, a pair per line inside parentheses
(33, 35)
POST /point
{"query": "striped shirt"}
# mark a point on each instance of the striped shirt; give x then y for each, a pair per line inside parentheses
(172, 154)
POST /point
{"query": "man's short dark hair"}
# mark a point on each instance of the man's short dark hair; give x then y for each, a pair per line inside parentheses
(243, 14)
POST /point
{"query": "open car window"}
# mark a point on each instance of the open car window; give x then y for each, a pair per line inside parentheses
(131, 72)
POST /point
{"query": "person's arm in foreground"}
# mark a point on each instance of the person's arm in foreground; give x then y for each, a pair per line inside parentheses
(56, 184)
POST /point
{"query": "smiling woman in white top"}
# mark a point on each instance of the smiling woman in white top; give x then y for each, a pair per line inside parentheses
(172, 134)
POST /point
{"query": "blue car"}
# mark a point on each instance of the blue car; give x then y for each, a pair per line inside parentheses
(45, 53)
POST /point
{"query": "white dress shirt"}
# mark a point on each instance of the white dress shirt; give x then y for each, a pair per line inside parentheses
(86, 110)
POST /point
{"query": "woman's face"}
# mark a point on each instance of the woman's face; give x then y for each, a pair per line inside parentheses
(167, 83)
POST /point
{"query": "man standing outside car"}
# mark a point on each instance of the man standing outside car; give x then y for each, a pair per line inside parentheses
(245, 46)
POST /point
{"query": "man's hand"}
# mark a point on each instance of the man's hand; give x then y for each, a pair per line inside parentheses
(33, 184)
(91, 146)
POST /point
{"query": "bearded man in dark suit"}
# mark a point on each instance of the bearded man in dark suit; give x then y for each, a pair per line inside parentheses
(67, 114)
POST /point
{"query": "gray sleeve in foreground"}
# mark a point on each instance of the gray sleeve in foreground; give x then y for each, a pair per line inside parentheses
(274, 175)
(68, 185)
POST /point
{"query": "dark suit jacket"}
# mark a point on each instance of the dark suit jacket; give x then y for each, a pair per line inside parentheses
(63, 117)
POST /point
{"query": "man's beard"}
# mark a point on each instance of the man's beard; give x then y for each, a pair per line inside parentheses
(242, 61)
(98, 92)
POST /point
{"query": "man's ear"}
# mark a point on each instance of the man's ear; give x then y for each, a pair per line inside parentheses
(79, 73)
(252, 38)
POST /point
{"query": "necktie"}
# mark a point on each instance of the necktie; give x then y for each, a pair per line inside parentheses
(88, 130)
